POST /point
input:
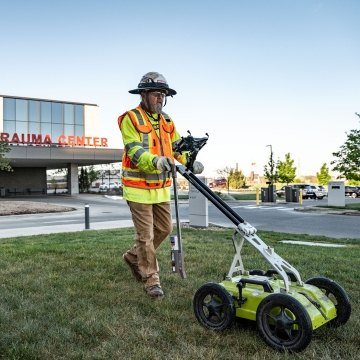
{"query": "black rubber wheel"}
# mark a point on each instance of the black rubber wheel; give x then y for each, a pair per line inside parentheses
(257, 272)
(337, 295)
(214, 307)
(284, 323)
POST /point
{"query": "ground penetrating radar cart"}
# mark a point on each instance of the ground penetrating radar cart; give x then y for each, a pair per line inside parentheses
(286, 309)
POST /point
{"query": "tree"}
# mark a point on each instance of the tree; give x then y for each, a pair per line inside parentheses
(348, 157)
(237, 179)
(270, 169)
(93, 174)
(323, 176)
(84, 183)
(4, 162)
(225, 173)
(286, 170)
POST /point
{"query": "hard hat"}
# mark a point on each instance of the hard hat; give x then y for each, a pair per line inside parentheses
(153, 81)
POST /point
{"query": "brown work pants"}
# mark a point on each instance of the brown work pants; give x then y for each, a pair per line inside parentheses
(153, 224)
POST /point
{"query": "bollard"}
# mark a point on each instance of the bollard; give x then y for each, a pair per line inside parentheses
(87, 217)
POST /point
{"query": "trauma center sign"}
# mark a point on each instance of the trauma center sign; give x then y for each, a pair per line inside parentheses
(62, 140)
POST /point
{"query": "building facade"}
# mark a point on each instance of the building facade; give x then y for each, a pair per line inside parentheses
(48, 134)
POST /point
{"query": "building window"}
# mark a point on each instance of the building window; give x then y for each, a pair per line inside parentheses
(9, 126)
(23, 116)
(34, 111)
(56, 113)
(69, 114)
(9, 109)
(21, 110)
(79, 115)
(45, 112)
(21, 127)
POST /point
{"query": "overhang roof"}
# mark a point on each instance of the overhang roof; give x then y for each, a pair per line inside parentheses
(56, 157)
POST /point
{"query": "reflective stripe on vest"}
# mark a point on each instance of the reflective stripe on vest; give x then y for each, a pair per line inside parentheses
(151, 142)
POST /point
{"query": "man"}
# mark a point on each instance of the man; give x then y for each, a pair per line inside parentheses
(149, 135)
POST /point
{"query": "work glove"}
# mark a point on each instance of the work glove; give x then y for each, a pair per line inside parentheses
(162, 163)
(198, 167)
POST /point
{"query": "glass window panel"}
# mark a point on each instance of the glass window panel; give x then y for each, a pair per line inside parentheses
(68, 113)
(34, 127)
(79, 130)
(56, 131)
(56, 113)
(21, 110)
(9, 127)
(34, 110)
(21, 127)
(45, 129)
(9, 109)
(68, 130)
(45, 112)
(79, 114)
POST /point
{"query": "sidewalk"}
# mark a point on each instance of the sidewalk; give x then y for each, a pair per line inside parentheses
(9, 233)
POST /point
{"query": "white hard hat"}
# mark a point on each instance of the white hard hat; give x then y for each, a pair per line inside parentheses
(153, 81)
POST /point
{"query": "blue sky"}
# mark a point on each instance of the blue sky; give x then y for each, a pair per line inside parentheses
(250, 73)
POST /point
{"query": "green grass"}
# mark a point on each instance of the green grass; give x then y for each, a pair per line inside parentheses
(70, 296)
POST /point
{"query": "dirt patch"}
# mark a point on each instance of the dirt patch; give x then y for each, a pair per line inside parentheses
(30, 207)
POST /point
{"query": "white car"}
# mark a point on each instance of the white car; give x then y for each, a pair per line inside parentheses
(109, 186)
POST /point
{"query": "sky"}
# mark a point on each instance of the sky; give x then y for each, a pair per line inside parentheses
(249, 73)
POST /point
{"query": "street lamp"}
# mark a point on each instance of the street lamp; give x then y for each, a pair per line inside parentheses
(270, 149)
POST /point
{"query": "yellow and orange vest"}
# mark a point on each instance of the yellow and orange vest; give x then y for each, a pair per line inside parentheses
(156, 142)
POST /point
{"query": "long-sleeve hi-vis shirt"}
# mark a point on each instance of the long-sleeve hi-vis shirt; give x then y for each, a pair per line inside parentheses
(144, 138)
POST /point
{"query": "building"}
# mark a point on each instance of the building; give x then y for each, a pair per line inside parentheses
(49, 134)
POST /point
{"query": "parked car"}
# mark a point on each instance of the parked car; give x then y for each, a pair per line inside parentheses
(352, 191)
(309, 191)
(323, 190)
(109, 186)
(218, 183)
(281, 192)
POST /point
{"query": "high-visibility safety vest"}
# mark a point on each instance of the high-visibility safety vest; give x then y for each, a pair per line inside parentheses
(151, 142)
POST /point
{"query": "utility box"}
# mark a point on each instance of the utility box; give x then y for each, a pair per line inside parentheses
(295, 195)
(264, 194)
(268, 194)
(288, 197)
(336, 193)
(272, 193)
(198, 206)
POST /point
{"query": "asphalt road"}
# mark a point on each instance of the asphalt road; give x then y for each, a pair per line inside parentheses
(112, 212)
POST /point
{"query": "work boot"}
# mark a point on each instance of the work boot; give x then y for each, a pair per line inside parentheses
(154, 291)
(133, 268)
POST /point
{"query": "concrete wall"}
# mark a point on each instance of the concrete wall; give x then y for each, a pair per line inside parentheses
(24, 181)
(92, 121)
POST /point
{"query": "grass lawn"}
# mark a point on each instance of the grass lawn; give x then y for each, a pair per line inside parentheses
(70, 296)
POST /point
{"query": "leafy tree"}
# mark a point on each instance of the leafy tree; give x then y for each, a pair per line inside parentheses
(84, 183)
(323, 176)
(347, 161)
(4, 162)
(237, 179)
(225, 173)
(270, 169)
(93, 174)
(286, 170)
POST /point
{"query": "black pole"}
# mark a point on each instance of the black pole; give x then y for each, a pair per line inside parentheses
(87, 217)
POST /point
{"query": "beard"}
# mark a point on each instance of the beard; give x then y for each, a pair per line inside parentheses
(157, 108)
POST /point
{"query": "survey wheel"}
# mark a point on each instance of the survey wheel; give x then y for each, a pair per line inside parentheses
(337, 295)
(284, 323)
(214, 307)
